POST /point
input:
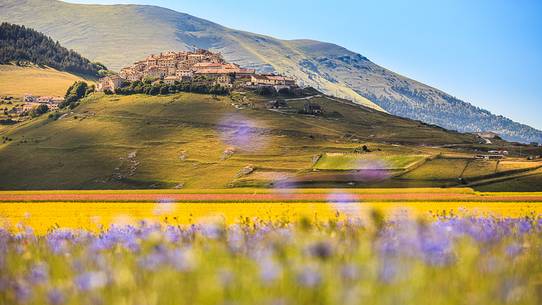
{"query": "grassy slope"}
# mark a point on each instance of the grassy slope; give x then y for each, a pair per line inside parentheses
(181, 139)
(17, 81)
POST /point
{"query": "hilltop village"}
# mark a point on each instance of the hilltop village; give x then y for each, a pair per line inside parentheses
(172, 68)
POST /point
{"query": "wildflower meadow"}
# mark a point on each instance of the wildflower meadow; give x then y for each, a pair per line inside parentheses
(446, 259)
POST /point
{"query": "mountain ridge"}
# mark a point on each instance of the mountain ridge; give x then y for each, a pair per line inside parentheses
(99, 31)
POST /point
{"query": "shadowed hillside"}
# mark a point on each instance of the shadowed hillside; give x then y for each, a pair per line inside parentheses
(120, 34)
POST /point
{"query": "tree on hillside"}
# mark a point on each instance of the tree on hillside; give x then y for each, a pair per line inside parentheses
(20, 44)
(74, 93)
(39, 110)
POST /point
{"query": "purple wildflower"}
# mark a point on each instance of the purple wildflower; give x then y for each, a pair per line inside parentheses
(22, 292)
(514, 250)
(91, 280)
(39, 273)
(56, 297)
(309, 276)
(322, 250)
(269, 269)
(350, 272)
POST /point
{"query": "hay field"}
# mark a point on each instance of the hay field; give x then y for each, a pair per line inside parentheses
(18, 81)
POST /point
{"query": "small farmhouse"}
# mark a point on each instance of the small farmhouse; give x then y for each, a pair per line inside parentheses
(312, 108)
(490, 157)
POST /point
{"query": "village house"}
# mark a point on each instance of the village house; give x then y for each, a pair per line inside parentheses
(260, 80)
(180, 74)
(276, 81)
(29, 98)
(29, 106)
(31, 101)
(109, 83)
(16, 110)
(207, 65)
(170, 80)
(279, 80)
(498, 152)
(131, 74)
(490, 157)
(50, 99)
(225, 80)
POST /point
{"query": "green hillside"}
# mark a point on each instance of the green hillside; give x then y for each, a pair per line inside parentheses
(117, 35)
(200, 141)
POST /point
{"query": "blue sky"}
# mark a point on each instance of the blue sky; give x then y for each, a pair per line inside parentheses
(488, 53)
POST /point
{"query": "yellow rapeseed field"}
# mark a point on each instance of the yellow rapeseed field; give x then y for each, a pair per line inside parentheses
(94, 216)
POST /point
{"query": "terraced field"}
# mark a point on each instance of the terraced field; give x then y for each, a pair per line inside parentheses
(356, 161)
(438, 169)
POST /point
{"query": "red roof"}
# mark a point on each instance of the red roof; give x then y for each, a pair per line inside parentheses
(215, 71)
(208, 65)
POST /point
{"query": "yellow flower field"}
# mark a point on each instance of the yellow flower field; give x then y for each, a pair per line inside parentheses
(94, 216)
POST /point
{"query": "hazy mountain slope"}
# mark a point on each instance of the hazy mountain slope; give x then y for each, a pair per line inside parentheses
(117, 35)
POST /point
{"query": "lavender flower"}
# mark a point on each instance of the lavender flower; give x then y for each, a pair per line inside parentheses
(56, 297)
(269, 270)
(91, 280)
(309, 276)
(322, 250)
(39, 273)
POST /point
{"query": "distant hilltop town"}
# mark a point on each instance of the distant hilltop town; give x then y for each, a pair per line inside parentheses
(175, 67)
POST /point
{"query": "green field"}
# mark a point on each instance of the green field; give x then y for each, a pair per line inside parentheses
(376, 161)
(438, 169)
(479, 168)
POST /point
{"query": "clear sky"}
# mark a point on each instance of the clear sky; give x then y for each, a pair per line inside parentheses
(486, 52)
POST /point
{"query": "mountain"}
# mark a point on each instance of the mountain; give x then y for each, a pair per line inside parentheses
(19, 44)
(117, 35)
